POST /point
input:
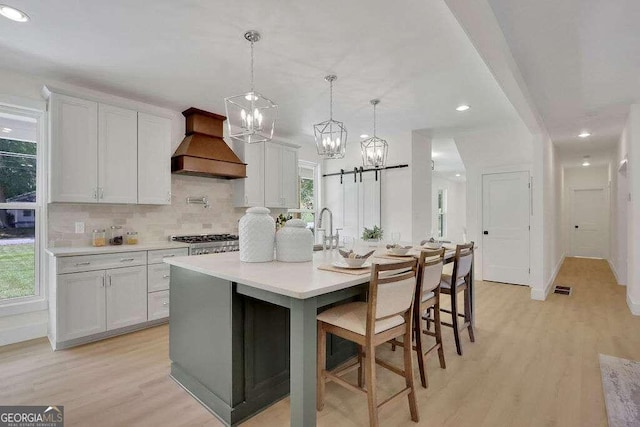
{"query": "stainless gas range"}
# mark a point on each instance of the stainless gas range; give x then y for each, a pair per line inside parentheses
(201, 244)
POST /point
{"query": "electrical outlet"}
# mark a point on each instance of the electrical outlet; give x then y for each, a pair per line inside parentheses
(79, 227)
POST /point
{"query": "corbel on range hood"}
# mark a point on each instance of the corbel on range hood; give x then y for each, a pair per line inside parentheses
(203, 152)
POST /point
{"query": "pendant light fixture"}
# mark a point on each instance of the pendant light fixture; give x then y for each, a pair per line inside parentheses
(331, 135)
(374, 149)
(251, 117)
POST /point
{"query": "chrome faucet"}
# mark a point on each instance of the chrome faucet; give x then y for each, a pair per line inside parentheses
(331, 239)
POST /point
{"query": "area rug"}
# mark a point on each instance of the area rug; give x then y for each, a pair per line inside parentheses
(621, 384)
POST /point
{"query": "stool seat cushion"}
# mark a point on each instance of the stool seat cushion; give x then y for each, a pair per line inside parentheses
(446, 281)
(353, 317)
(427, 296)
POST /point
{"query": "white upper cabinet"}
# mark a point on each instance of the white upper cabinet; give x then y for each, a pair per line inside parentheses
(272, 175)
(289, 178)
(101, 153)
(154, 160)
(74, 150)
(117, 154)
(249, 191)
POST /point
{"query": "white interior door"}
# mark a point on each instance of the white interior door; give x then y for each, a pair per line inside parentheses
(589, 230)
(505, 218)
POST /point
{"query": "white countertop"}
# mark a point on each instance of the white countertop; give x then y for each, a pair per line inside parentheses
(92, 250)
(293, 279)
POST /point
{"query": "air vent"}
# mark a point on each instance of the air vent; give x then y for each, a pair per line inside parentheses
(562, 290)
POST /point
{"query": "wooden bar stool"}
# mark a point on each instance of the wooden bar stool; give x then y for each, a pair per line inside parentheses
(387, 314)
(462, 264)
(427, 297)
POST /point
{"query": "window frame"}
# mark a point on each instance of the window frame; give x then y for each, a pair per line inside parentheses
(442, 213)
(35, 110)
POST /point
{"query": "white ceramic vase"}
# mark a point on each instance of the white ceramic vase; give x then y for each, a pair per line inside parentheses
(257, 231)
(294, 242)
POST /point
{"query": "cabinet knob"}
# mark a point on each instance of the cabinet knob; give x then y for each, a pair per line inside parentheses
(166, 304)
(166, 276)
(78, 264)
(95, 193)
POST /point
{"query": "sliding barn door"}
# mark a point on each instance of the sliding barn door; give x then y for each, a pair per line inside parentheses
(361, 204)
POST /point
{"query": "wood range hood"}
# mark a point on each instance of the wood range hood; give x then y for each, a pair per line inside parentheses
(203, 152)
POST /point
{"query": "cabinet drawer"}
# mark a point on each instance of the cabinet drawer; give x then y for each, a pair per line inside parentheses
(156, 257)
(158, 305)
(78, 263)
(158, 276)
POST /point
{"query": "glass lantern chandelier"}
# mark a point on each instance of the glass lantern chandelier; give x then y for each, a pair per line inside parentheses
(374, 149)
(331, 135)
(251, 117)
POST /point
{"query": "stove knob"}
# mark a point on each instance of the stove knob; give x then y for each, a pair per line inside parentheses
(204, 251)
(223, 249)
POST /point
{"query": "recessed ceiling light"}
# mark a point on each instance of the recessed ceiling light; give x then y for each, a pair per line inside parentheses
(457, 174)
(13, 14)
(364, 135)
(584, 134)
(585, 161)
(6, 130)
(462, 107)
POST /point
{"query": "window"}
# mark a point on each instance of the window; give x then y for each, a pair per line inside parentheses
(19, 208)
(308, 175)
(442, 213)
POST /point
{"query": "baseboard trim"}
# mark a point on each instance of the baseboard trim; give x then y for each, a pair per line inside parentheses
(542, 294)
(615, 273)
(633, 306)
(25, 333)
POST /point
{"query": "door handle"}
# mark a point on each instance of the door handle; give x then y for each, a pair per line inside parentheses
(485, 232)
(575, 226)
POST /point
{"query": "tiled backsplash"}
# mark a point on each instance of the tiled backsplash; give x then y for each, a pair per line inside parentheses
(153, 223)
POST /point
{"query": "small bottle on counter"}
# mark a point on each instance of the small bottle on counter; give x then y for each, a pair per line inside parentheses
(132, 238)
(116, 237)
(99, 238)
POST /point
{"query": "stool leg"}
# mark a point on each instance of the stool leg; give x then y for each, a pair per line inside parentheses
(467, 313)
(360, 370)
(428, 319)
(438, 330)
(454, 320)
(418, 334)
(370, 373)
(322, 360)
(408, 368)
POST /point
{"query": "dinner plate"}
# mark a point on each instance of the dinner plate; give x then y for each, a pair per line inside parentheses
(342, 264)
(407, 255)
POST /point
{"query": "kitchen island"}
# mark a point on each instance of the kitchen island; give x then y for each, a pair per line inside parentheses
(243, 335)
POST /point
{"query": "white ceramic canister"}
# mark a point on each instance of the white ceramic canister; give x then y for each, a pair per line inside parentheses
(294, 242)
(257, 231)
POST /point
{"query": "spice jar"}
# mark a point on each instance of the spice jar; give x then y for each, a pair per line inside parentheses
(98, 238)
(116, 238)
(132, 238)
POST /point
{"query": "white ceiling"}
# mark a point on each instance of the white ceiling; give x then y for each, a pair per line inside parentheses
(446, 159)
(580, 60)
(415, 58)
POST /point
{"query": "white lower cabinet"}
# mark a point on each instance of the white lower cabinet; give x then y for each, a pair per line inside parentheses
(126, 290)
(97, 296)
(158, 305)
(81, 305)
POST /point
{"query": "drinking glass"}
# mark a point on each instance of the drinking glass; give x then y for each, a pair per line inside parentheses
(348, 243)
(395, 238)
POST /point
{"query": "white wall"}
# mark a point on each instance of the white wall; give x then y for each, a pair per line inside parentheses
(628, 147)
(579, 177)
(620, 210)
(456, 206)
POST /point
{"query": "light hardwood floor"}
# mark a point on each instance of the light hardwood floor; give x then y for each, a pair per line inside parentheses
(533, 364)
